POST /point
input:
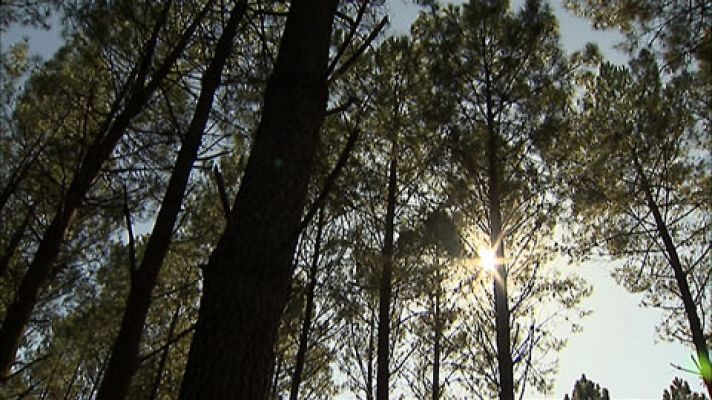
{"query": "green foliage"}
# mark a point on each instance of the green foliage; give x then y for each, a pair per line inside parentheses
(508, 79)
(680, 29)
(432, 101)
(680, 390)
(32, 13)
(629, 114)
(585, 389)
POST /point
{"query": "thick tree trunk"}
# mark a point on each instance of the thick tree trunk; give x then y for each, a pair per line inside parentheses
(502, 327)
(247, 280)
(41, 267)
(308, 312)
(124, 356)
(698, 337)
(384, 298)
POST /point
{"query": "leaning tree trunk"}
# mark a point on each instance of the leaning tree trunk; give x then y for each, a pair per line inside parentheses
(156, 386)
(124, 356)
(247, 279)
(698, 336)
(384, 298)
(308, 311)
(42, 266)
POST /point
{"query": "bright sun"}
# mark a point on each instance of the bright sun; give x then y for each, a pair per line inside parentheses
(488, 259)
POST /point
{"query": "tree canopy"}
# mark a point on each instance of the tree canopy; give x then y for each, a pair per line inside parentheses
(267, 200)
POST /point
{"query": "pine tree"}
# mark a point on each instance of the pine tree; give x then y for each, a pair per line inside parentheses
(585, 389)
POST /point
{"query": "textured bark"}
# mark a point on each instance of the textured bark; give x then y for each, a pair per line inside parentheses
(247, 279)
(698, 336)
(124, 356)
(42, 265)
(384, 298)
(502, 324)
(308, 312)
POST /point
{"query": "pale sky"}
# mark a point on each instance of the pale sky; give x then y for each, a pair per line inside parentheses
(618, 347)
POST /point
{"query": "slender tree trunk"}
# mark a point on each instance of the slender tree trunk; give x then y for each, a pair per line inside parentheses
(384, 298)
(275, 379)
(41, 267)
(308, 311)
(371, 342)
(99, 376)
(502, 327)
(70, 385)
(247, 279)
(369, 366)
(437, 335)
(164, 355)
(698, 337)
(124, 356)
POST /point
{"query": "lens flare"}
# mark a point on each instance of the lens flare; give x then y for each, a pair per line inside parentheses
(488, 259)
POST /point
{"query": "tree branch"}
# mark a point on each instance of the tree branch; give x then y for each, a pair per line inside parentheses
(129, 229)
(223, 194)
(330, 180)
(352, 60)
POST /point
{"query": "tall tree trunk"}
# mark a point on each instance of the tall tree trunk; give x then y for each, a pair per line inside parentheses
(369, 356)
(275, 379)
(698, 336)
(124, 356)
(502, 327)
(308, 311)
(70, 385)
(384, 298)
(437, 335)
(247, 279)
(164, 355)
(41, 267)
